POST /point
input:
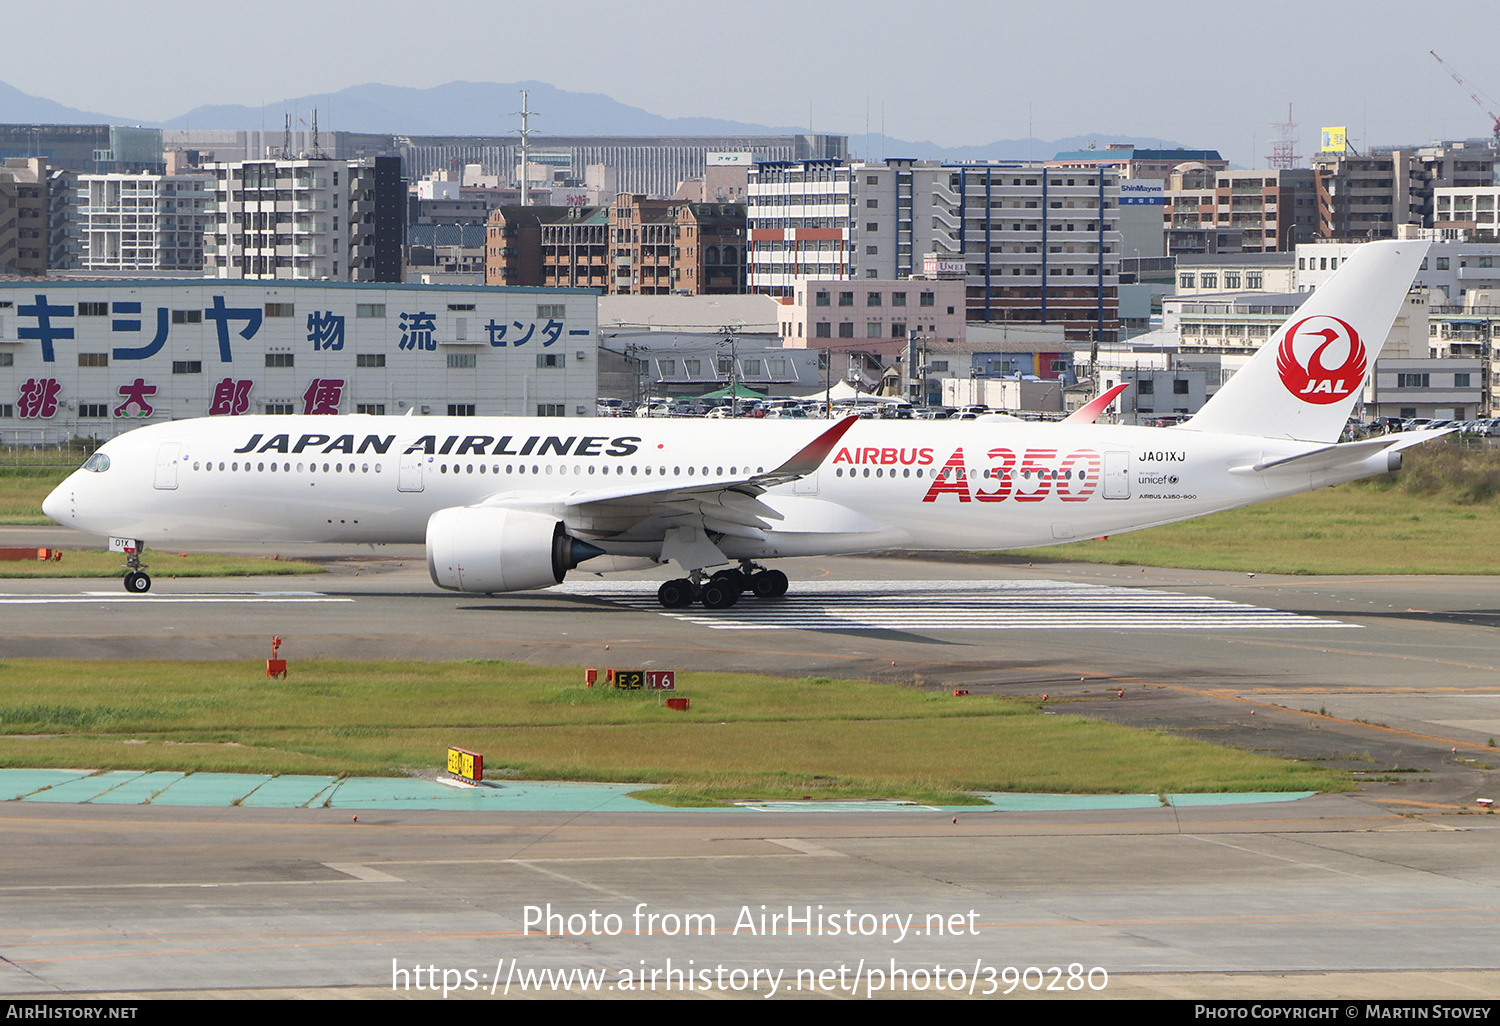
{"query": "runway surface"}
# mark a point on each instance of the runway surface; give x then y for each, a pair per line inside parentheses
(1323, 897)
(1393, 891)
(972, 605)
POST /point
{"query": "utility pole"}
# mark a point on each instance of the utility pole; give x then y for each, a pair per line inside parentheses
(525, 114)
(734, 371)
(915, 387)
(828, 383)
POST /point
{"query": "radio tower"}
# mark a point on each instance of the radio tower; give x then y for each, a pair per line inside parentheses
(1284, 143)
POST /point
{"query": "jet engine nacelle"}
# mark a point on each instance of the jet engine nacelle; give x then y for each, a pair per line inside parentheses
(482, 549)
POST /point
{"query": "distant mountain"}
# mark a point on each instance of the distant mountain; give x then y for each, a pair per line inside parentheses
(486, 108)
(465, 108)
(18, 108)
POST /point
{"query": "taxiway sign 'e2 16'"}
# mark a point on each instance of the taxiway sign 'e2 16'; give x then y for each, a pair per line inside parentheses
(505, 504)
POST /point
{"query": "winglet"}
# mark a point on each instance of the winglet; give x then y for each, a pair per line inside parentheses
(1089, 412)
(811, 456)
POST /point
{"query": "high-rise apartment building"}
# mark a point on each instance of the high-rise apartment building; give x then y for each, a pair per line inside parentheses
(1366, 197)
(307, 219)
(1267, 211)
(1467, 209)
(1033, 243)
(637, 246)
(133, 223)
(24, 207)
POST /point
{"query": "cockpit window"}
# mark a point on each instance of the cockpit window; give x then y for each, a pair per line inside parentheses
(98, 463)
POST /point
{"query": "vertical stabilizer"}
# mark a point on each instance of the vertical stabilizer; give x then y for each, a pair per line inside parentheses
(1303, 383)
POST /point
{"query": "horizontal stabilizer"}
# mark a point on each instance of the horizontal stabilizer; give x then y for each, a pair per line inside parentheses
(1347, 454)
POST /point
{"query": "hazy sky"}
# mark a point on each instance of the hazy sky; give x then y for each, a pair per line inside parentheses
(1203, 73)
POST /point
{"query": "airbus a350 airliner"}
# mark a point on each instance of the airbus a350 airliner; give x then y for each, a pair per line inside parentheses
(508, 504)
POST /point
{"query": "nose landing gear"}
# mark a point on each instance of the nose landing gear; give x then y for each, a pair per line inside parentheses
(137, 581)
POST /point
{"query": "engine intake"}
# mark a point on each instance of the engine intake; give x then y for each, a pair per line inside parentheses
(482, 549)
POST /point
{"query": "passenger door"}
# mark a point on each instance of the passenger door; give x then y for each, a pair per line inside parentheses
(409, 476)
(166, 465)
(1117, 475)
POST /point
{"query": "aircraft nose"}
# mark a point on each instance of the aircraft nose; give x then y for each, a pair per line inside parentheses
(59, 504)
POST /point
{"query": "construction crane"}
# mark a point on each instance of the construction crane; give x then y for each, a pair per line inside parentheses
(1486, 104)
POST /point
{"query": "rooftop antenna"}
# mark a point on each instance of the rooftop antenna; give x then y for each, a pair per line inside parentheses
(1284, 143)
(525, 114)
(286, 140)
(317, 150)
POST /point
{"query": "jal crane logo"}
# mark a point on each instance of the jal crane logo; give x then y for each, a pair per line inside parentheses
(1321, 360)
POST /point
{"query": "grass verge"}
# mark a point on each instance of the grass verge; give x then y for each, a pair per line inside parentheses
(96, 563)
(22, 490)
(1430, 518)
(744, 737)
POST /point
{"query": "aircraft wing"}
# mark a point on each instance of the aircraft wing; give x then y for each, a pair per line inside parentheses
(805, 461)
(727, 504)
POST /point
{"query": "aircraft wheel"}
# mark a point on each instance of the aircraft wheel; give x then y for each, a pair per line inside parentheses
(769, 584)
(137, 582)
(675, 594)
(734, 578)
(719, 594)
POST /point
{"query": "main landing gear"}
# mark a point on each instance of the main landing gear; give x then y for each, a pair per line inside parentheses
(137, 581)
(723, 589)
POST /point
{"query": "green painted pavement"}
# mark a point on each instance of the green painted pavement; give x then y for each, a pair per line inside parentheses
(529, 796)
(137, 791)
(210, 789)
(135, 787)
(1184, 801)
(291, 792)
(18, 783)
(82, 789)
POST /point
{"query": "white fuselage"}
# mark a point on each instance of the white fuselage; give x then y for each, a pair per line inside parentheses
(908, 484)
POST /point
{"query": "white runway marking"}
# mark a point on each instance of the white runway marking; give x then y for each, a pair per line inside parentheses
(95, 597)
(964, 605)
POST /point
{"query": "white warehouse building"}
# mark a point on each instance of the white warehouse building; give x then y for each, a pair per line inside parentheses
(96, 358)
